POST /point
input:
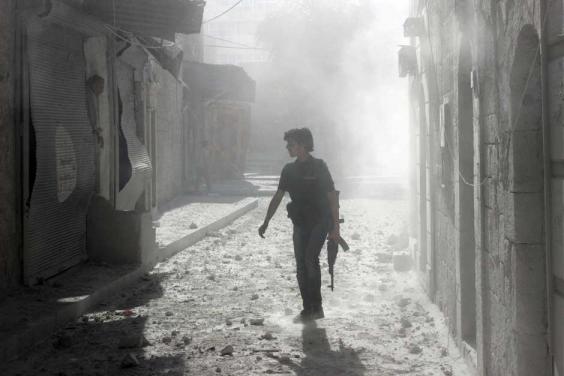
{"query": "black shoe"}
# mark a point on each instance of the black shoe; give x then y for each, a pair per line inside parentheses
(303, 316)
(317, 314)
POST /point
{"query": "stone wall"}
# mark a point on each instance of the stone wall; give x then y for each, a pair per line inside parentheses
(505, 178)
(10, 265)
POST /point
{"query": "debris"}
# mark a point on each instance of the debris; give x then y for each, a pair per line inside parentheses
(267, 336)
(167, 340)
(187, 340)
(127, 313)
(228, 322)
(129, 361)
(174, 333)
(405, 323)
(238, 258)
(168, 313)
(403, 302)
(257, 322)
(402, 262)
(218, 370)
(227, 350)
(193, 226)
(211, 277)
(254, 297)
(415, 349)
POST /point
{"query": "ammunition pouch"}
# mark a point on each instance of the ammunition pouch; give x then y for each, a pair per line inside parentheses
(304, 216)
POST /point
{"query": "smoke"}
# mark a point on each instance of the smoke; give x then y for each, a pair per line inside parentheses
(333, 68)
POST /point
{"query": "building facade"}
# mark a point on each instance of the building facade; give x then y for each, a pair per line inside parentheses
(485, 80)
(90, 117)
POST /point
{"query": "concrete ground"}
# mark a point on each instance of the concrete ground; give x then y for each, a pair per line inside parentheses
(225, 306)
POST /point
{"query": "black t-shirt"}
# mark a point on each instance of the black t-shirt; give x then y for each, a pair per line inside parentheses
(308, 183)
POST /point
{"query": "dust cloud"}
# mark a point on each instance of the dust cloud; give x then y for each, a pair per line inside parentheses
(333, 68)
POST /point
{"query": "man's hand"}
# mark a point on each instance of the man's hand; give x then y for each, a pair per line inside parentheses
(335, 234)
(262, 229)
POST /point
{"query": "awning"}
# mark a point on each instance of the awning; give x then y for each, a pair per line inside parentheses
(219, 82)
(151, 18)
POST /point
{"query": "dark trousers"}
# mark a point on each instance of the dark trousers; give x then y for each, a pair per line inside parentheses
(307, 247)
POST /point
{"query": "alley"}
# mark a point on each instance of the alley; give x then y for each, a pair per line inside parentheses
(235, 294)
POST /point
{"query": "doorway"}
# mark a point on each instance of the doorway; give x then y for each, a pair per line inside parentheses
(467, 250)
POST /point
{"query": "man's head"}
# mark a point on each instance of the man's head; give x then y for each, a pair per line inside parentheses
(299, 140)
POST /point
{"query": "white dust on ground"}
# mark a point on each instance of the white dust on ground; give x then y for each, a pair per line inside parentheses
(190, 215)
(378, 322)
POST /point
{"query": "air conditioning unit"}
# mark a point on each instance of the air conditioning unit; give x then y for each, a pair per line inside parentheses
(407, 61)
(413, 27)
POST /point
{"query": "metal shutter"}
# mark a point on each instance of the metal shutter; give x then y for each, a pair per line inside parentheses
(55, 224)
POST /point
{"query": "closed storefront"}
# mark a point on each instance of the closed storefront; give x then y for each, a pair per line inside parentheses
(59, 151)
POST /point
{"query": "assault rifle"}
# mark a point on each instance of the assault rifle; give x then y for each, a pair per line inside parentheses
(332, 250)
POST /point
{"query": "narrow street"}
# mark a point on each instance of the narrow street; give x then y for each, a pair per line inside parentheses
(235, 293)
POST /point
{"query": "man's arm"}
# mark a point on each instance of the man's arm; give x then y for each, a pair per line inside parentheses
(334, 205)
(272, 207)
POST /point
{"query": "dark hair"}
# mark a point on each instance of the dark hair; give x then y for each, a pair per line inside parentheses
(301, 136)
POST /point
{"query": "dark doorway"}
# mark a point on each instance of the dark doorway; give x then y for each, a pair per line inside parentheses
(467, 257)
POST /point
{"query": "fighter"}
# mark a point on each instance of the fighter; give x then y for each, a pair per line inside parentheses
(314, 211)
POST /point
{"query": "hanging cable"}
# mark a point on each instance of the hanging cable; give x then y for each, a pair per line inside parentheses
(224, 12)
(236, 47)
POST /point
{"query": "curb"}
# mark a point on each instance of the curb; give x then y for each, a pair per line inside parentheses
(197, 235)
(12, 347)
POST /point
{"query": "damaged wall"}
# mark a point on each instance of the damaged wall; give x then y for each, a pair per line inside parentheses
(10, 264)
(499, 114)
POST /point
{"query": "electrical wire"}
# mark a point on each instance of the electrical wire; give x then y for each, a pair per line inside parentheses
(236, 48)
(223, 13)
(116, 32)
(227, 40)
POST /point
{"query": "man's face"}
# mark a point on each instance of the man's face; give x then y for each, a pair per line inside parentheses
(293, 148)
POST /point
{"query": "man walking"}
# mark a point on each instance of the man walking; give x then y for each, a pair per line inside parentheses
(314, 211)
